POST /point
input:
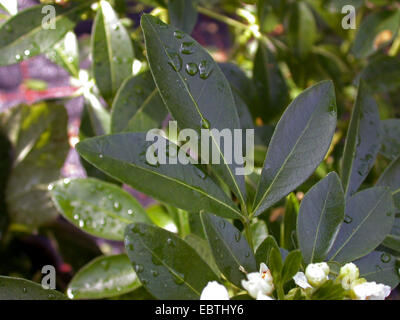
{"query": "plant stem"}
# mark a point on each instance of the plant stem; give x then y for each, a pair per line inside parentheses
(222, 18)
(249, 236)
(280, 292)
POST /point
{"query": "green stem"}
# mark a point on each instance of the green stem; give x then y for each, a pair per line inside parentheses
(222, 18)
(280, 292)
(249, 235)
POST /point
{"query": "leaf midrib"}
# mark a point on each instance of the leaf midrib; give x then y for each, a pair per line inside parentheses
(170, 269)
(200, 114)
(179, 182)
(319, 224)
(284, 163)
(358, 227)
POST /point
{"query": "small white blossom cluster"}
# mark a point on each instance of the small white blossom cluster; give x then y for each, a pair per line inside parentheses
(349, 277)
(260, 285)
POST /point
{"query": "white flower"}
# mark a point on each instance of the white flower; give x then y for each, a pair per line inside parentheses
(317, 273)
(259, 284)
(348, 274)
(262, 296)
(214, 291)
(301, 280)
(371, 291)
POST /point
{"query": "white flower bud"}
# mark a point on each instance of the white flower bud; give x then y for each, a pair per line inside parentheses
(317, 274)
(370, 291)
(349, 273)
(259, 283)
(214, 291)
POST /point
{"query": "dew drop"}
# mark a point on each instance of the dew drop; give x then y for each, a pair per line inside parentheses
(222, 224)
(139, 268)
(238, 236)
(175, 61)
(200, 174)
(205, 124)
(170, 242)
(205, 69)
(130, 212)
(187, 47)
(192, 69)
(101, 156)
(179, 34)
(105, 265)
(154, 273)
(117, 206)
(27, 53)
(81, 223)
(18, 58)
(71, 293)
(24, 290)
(385, 257)
(348, 219)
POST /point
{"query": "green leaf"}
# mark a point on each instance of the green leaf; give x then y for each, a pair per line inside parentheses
(264, 250)
(21, 289)
(329, 291)
(98, 117)
(99, 208)
(183, 14)
(137, 106)
(368, 39)
(273, 94)
(112, 51)
(123, 156)
(320, 217)
(391, 178)
(203, 249)
(291, 266)
(290, 222)
(239, 81)
(300, 141)
(104, 277)
(259, 232)
(166, 265)
(369, 219)
(193, 88)
(245, 119)
(379, 267)
(23, 36)
(40, 142)
(390, 138)
(362, 141)
(382, 74)
(392, 242)
(275, 263)
(161, 218)
(302, 29)
(230, 249)
(66, 54)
